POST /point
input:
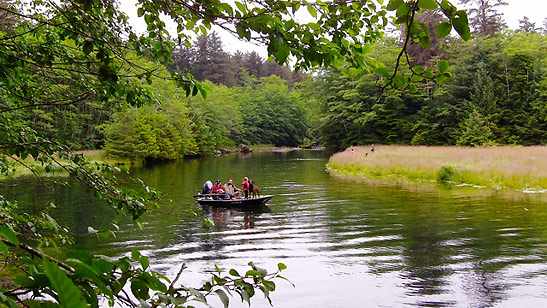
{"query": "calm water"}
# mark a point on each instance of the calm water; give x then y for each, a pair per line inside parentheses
(346, 244)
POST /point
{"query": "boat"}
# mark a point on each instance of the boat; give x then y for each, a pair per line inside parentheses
(251, 202)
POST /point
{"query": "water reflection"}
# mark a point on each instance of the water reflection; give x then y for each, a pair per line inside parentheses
(222, 216)
(346, 244)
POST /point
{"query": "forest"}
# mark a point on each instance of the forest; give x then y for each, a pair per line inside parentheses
(496, 96)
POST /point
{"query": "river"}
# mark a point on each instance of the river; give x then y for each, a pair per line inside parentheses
(345, 243)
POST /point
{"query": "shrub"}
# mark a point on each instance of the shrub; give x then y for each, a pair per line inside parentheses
(447, 173)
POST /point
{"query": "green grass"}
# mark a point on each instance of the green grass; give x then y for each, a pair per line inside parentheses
(505, 167)
(33, 167)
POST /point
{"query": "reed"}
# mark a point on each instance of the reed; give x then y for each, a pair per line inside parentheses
(514, 167)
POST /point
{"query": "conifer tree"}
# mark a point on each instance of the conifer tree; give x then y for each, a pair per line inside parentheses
(484, 19)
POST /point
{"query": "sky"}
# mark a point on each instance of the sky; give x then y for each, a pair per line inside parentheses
(535, 10)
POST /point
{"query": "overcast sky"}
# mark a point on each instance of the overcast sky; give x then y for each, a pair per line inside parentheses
(535, 10)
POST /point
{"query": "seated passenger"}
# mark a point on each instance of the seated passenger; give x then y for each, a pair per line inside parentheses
(207, 187)
(218, 189)
(231, 190)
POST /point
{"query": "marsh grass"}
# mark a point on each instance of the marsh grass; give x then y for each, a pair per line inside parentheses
(514, 167)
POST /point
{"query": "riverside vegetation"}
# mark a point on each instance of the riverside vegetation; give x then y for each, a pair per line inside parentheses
(509, 167)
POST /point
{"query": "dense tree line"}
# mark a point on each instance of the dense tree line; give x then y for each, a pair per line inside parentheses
(260, 111)
(497, 96)
(248, 101)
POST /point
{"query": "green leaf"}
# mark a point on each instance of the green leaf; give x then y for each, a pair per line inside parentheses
(461, 25)
(270, 285)
(382, 71)
(443, 66)
(7, 233)
(312, 10)
(144, 262)
(282, 53)
(68, 295)
(418, 69)
(402, 13)
(281, 266)
(82, 255)
(416, 78)
(223, 297)
(241, 6)
(427, 4)
(441, 78)
(399, 80)
(429, 73)
(3, 248)
(155, 284)
(140, 289)
(394, 4)
(233, 272)
(443, 29)
(425, 42)
(252, 273)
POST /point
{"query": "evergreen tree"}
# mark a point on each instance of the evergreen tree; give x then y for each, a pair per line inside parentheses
(7, 19)
(253, 63)
(484, 19)
(475, 131)
(211, 62)
(525, 25)
(483, 97)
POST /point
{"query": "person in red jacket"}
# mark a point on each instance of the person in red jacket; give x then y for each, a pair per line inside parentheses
(245, 185)
(218, 188)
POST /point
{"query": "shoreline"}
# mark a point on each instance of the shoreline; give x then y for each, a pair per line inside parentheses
(504, 168)
(99, 157)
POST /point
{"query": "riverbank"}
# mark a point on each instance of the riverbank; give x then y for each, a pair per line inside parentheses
(32, 167)
(100, 157)
(503, 167)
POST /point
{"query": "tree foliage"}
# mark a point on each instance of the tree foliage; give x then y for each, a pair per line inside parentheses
(484, 17)
(496, 96)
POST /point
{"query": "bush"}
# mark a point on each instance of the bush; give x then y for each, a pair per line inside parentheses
(447, 173)
(150, 132)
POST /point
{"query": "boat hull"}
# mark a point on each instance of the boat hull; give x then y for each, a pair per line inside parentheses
(234, 203)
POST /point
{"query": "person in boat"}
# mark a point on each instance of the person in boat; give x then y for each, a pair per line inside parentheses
(245, 185)
(231, 190)
(218, 188)
(207, 187)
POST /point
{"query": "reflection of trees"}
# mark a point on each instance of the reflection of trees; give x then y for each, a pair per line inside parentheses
(484, 285)
(426, 263)
(79, 209)
(435, 237)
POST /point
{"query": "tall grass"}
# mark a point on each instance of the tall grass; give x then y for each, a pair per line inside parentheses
(513, 167)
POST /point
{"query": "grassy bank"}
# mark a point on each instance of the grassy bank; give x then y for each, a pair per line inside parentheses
(35, 167)
(504, 167)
